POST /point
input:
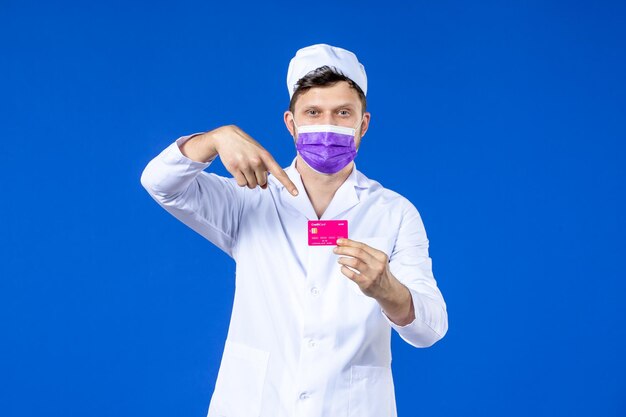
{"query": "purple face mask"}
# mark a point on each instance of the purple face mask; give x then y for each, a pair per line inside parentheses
(326, 148)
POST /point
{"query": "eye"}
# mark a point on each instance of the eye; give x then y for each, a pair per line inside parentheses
(344, 113)
(311, 112)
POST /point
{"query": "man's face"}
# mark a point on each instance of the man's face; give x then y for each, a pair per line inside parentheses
(335, 105)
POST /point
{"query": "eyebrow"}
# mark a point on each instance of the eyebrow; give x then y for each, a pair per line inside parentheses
(341, 106)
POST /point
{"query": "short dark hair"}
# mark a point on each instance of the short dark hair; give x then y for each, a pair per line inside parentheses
(324, 77)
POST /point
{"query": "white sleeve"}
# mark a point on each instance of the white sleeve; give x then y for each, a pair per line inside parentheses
(412, 266)
(206, 202)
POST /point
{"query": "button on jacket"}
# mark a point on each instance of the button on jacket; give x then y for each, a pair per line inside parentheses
(303, 340)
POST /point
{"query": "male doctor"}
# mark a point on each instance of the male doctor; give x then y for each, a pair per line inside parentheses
(328, 261)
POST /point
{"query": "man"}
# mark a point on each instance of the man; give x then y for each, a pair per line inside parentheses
(312, 315)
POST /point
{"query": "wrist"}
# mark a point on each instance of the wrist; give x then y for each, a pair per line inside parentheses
(209, 141)
(399, 307)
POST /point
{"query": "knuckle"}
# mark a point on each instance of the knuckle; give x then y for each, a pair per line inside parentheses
(235, 162)
(255, 161)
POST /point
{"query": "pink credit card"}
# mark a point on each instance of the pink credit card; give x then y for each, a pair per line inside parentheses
(326, 232)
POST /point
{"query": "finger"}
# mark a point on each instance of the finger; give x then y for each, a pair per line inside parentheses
(375, 253)
(250, 178)
(240, 178)
(353, 263)
(280, 174)
(349, 242)
(261, 178)
(354, 276)
(356, 252)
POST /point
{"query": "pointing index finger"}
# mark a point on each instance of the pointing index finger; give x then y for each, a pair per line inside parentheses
(280, 174)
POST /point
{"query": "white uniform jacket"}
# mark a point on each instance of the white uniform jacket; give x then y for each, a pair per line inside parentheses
(303, 341)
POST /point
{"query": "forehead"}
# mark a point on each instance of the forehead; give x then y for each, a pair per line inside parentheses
(329, 97)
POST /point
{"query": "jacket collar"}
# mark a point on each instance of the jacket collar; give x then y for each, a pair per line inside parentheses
(346, 196)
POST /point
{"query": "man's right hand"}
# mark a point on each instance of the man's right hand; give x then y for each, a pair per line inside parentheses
(242, 156)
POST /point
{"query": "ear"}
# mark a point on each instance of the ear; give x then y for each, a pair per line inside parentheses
(365, 123)
(288, 117)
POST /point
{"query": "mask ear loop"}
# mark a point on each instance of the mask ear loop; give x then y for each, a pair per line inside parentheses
(356, 129)
(295, 126)
(358, 124)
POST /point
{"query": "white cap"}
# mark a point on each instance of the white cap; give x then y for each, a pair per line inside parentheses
(315, 56)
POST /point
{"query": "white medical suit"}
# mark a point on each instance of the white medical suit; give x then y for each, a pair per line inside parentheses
(303, 341)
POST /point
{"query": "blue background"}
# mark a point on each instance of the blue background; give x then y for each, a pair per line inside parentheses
(503, 122)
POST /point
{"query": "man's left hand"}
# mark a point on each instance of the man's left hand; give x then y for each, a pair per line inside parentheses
(375, 279)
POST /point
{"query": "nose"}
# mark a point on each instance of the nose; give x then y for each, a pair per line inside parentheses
(328, 119)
